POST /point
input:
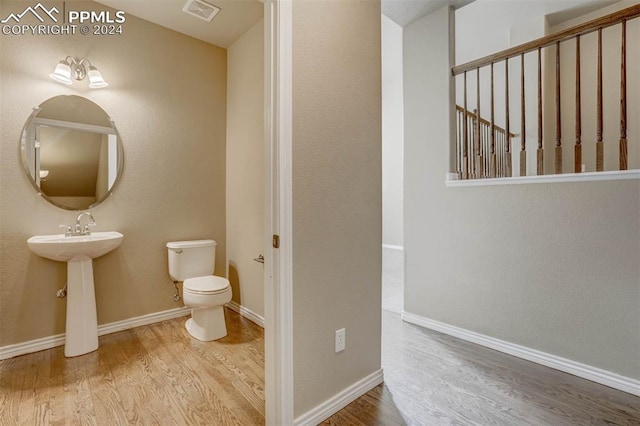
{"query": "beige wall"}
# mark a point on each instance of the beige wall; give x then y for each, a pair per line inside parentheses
(337, 201)
(553, 267)
(167, 95)
(245, 171)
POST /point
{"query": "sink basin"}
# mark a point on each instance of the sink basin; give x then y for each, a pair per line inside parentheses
(81, 333)
(63, 249)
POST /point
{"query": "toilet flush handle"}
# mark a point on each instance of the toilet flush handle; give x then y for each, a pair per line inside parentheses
(259, 259)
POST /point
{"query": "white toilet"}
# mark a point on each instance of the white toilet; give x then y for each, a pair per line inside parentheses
(192, 262)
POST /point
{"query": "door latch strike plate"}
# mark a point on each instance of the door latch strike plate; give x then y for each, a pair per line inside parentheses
(276, 241)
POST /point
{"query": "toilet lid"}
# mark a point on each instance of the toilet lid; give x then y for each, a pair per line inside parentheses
(209, 284)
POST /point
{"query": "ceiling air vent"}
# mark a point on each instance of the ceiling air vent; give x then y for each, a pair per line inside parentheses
(200, 9)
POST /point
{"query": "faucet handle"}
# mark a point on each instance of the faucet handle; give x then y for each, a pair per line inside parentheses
(85, 230)
(68, 229)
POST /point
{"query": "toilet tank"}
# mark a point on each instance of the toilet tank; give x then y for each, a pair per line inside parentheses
(189, 259)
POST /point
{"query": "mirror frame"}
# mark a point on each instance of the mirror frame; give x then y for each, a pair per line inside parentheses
(25, 166)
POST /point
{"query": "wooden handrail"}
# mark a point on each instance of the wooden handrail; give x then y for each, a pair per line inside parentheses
(594, 25)
(483, 121)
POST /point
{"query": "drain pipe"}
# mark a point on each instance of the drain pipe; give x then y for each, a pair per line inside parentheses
(176, 297)
(62, 293)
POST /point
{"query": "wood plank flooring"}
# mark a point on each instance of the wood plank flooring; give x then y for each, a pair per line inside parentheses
(435, 379)
(159, 375)
(151, 375)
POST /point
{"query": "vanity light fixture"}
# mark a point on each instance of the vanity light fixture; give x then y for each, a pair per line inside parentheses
(78, 69)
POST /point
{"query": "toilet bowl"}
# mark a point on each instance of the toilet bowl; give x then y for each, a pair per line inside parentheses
(206, 296)
(192, 262)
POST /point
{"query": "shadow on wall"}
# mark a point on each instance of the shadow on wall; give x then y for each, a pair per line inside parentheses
(234, 280)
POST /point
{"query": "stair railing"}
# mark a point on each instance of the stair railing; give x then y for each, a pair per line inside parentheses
(484, 149)
(467, 121)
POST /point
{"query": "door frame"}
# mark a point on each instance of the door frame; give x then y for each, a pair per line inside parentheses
(278, 273)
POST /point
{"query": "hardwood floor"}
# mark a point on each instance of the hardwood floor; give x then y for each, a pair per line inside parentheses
(156, 375)
(435, 379)
(159, 375)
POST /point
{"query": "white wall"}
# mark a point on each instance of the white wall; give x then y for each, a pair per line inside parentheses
(245, 168)
(337, 196)
(553, 267)
(484, 27)
(392, 132)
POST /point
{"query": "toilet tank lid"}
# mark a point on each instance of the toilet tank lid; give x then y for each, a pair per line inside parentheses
(190, 244)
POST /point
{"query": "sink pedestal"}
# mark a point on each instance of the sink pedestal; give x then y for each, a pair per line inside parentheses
(81, 335)
(78, 251)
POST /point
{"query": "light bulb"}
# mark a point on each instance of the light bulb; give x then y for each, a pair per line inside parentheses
(62, 73)
(96, 81)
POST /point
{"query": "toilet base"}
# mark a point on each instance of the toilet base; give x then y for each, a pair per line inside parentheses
(207, 324)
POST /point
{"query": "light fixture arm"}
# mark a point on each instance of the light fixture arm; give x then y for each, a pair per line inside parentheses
(79, 69)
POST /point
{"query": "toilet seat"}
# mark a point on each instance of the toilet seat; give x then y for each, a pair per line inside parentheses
(210, 284)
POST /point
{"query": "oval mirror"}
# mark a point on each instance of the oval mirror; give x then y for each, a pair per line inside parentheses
(71, 152)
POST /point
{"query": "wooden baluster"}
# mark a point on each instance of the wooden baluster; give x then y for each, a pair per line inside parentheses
(499, 151)
(461, 156)
(487, 161)
(485, 143)
(484, 149)
(577, 157)
(599, 142)
(492, 165)
(465, 152)
(507, 164)
(523, 125)
(503, 155)
(472, 145)
(479, 169)
(540, 152)
(469, 130)
(623, 99)
(458, 144)
(558, 162)
(474, 148)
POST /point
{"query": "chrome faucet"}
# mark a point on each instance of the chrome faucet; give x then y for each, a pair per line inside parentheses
(85, 230)
(76, 230)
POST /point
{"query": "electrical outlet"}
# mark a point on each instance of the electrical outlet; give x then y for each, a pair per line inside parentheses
(341, 342)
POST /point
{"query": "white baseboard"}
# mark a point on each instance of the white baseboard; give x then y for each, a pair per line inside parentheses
(604, 377)
(247, 313)
(130, 323)
(37, 345)
(392, 247)
(44, 343)
(339, 401)
(31, 346)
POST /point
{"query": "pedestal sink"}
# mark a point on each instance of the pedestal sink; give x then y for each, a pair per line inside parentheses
(81, 335)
